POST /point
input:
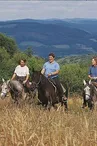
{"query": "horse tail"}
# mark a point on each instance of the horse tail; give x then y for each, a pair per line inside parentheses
(67, 91)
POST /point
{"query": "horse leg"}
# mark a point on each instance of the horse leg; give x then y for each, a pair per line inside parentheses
(55, 106)
(49, 103)
(32, 96)
(64, 102)
(66, 105)
(90, 104)
(84, 102)
(18, 97)
(14, 98)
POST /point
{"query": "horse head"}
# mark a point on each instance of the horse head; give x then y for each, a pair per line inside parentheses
(4, 88)
(87, 89)
(36, 78)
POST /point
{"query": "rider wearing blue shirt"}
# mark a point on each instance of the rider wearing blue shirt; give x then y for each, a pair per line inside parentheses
(51, 70)
(92, 74)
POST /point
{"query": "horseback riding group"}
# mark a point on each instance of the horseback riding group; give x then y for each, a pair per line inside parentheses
(50, 90)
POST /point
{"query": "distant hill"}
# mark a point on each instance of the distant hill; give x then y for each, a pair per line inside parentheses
(76, 59)
(64, 37)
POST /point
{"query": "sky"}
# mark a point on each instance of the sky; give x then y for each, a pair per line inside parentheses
(12, 10)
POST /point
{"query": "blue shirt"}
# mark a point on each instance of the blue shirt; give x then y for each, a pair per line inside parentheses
(93, 71)
(50, 68)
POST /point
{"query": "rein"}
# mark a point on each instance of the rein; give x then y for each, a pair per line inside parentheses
(12, 89)
(37, 82)
(52, 85)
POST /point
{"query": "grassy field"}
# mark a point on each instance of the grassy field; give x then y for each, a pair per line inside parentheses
(32, 126)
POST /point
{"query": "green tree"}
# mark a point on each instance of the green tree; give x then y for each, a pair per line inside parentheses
(72, 75)
(29, 51)
(5, 66)
(8, 43)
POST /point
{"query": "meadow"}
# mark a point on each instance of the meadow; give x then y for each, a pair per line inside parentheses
(31, 125)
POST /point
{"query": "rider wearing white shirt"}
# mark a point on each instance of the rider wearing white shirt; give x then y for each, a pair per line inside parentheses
(21, 72)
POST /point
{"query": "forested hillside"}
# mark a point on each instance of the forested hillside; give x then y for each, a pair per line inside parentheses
(10, 56)
(73, 68)
(64, 37)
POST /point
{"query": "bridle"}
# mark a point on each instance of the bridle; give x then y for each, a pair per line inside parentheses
(5, 93)
(10, 88)
(89, 95)
(15, 92)
(36, 84)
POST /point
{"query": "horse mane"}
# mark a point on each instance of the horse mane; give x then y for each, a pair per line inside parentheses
(44, 79)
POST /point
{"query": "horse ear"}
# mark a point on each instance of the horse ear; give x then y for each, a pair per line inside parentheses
(3, 80)
(90, 82)
(8, 81)
(33, 69)
(84, 82)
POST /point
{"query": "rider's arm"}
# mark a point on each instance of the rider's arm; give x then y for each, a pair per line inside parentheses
(13, 77)
(90, 76)
(89, 73)
(43, 71)
(27, 75)
(55, 73)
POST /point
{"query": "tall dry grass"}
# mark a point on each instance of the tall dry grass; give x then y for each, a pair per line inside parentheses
(32, 126)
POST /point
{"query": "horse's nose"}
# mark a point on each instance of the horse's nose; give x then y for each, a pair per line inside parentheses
(33, 86)
(2, 95)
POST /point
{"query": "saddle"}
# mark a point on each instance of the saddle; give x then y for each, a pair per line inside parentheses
(51, 80)
(27, 85)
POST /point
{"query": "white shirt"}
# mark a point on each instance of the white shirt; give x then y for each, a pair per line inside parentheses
(21, 71)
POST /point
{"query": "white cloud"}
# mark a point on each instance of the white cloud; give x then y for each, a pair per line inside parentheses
(47, 9)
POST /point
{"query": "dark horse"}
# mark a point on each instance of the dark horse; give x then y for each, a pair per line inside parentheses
(47, 91)
(89, 94)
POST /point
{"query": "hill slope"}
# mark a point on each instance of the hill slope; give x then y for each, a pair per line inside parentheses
(64, 37)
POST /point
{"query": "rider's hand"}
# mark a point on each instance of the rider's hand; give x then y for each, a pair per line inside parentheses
(24, 82)
(49, 74)
(94, 78)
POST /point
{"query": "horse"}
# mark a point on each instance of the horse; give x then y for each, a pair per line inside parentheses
(47, 91)
(16, 90)
(0, 88)
(89, 94)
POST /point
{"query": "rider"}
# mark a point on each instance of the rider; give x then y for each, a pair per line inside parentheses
(93, 70)
(51, 70)
(21, 72)
(92, 74)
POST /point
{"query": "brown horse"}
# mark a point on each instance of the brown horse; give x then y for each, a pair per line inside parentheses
(47, 91)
